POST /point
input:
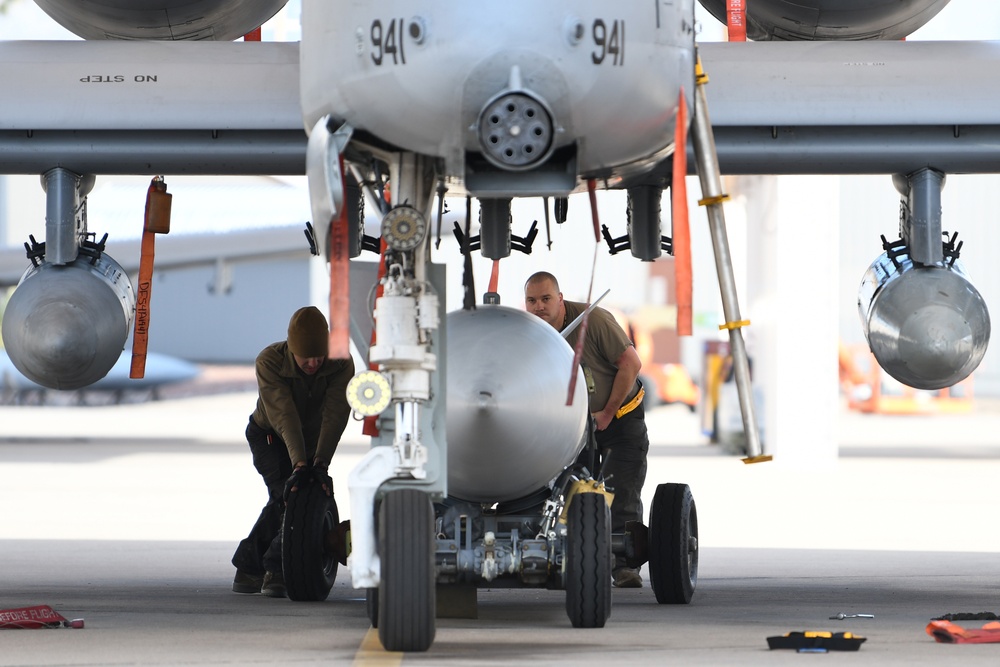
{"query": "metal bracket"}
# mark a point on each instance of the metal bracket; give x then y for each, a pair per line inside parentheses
(519, 243)
(323, 169)
(616, 245)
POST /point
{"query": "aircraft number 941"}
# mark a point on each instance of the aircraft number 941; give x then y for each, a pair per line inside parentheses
(609, 44)
(387, 42)
(388, 39)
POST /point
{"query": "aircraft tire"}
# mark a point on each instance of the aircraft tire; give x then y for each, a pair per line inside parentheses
(588, 561)
(308, 568)
(673, 544)
(371, 605)
(407, 596)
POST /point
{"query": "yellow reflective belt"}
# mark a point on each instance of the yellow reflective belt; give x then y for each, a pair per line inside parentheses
(631, 405)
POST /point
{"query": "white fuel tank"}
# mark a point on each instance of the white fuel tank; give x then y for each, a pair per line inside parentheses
(65, 326)
(927, 326)
(510, 431)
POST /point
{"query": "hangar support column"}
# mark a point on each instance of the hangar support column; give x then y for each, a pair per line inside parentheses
(792, 276)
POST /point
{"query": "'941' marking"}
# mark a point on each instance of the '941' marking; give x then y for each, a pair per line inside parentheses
(387, 42)
(609, 44)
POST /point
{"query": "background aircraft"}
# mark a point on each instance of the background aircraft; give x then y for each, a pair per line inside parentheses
(576, 132)
(116, 386)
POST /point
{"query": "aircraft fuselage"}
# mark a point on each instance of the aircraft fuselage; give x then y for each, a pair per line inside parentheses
(486, 89)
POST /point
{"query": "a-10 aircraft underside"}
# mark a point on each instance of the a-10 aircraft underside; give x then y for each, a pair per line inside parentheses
(525, 120)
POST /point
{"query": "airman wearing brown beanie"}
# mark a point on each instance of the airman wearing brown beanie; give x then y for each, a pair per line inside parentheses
(308, 334)
(301, 413)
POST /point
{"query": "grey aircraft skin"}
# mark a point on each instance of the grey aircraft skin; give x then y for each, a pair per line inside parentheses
(495, 108)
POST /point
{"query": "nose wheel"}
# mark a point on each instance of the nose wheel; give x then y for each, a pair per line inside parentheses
(588, 561)
(406, 594)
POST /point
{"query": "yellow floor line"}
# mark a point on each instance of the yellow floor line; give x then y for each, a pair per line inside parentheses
(371, 653)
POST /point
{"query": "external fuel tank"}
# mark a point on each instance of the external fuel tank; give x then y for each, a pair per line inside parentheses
(64, 326)
(927, 326)
(510, 430)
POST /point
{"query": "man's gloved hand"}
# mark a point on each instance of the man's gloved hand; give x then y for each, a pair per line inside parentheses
(301, 476)
(321, 475)
(306, 474)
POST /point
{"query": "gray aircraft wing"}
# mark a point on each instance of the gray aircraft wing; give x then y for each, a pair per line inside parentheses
(776, 107)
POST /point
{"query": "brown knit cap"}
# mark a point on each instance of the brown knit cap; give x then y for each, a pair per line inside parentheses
(308, 334)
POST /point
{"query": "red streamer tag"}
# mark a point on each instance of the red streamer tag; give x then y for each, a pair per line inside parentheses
(736, 20)
(41, 616)
(340, 279)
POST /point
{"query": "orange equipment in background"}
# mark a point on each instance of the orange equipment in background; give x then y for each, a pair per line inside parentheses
(870, 389)
(665, 382)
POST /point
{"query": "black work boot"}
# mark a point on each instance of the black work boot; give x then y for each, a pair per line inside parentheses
(627, 577)
(274, 585)
(247, 583)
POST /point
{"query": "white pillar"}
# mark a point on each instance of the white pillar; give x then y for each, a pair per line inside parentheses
(792, 276)
(4, 212)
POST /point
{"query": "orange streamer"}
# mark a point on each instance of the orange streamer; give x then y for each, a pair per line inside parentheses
(681, 229)
(156, 221)
(340, 282)
(495, 276)
(736, 20)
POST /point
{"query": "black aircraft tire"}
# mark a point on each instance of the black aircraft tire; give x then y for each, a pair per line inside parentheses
(588, 561)
(673, 544)
(309, 571)
(371, 605)
(407, 591)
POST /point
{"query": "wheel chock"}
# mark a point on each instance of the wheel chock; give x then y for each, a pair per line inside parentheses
(338, 542)
(817, 641)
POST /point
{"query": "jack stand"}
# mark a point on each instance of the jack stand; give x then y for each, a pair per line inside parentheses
(711, 189)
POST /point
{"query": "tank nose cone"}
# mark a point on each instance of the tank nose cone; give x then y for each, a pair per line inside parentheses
(62, 333)
(929, 328)
(509, 429)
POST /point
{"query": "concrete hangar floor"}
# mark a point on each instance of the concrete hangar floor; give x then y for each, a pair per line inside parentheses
(127, 516)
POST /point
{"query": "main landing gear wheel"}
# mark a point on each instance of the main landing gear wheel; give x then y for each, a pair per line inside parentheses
(308, 563)
(406, 594)
(588, 561)
(673, 544)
